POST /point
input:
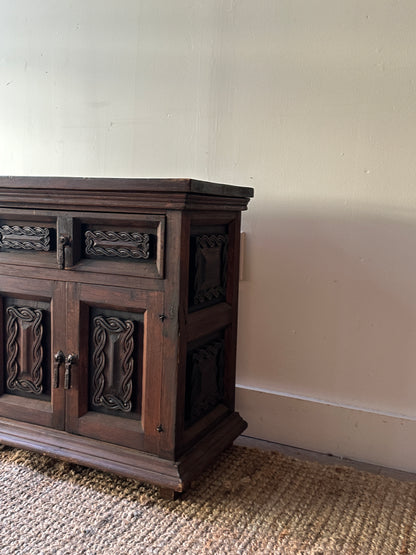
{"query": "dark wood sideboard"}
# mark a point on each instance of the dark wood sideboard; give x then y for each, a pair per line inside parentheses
(119, 320)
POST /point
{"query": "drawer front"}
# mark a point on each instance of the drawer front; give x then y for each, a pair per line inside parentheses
(113, 244)
(28, 239)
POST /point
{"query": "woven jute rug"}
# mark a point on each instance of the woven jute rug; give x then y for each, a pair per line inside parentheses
(250, 501)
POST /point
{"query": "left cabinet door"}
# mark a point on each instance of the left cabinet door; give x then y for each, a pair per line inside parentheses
(33, 331)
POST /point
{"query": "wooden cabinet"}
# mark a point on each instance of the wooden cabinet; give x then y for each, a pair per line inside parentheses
(118, 320)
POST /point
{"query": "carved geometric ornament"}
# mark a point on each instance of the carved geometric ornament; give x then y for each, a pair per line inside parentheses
(27, 238)
(120, 244)
(210, 275)
(205, 380)
(113, 363)
(24, 350)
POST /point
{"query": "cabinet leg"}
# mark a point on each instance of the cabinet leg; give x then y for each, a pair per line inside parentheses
(169, 494)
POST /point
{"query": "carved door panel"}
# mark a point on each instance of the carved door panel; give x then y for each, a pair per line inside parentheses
(32, 327)
(114, 394)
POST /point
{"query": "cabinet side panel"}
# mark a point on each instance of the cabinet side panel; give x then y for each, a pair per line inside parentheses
(204, 379)
(207, 267)
(233, 274)
(208, 340)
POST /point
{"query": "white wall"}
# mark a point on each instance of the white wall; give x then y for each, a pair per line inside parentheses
(311, 102)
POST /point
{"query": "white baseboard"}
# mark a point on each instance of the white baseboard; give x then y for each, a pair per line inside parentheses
(354, 433)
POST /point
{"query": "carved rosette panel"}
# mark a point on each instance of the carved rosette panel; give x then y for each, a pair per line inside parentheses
(27, 238)
(210, 271)
(121, 244)
(24, 350)
(113, 363)
(205, 377)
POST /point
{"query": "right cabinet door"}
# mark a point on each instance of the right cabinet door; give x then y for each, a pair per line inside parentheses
(115, 347)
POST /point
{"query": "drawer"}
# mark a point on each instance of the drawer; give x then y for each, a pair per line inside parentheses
(28, 239)
(114, 244)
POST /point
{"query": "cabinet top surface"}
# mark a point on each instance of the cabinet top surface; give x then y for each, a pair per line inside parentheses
(117, 185)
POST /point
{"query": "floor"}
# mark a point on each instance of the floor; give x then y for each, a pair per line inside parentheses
(247, 441)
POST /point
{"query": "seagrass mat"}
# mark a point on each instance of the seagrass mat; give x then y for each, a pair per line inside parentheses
(250, 501)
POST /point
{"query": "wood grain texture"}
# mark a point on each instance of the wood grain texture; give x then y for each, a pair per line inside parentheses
(146, 386)
(167, 185)
(175, 475)
(120, 195)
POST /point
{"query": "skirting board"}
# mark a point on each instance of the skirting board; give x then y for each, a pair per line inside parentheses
(348, 432)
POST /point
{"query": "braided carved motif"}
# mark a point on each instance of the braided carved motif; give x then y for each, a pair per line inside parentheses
(27, 238)
(113, 363)
(120, 244)
(24, 347)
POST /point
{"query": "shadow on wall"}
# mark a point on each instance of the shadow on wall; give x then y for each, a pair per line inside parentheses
(328, 306)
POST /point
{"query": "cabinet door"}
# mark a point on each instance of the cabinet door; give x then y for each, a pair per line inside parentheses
(32, 328)
(115, 335)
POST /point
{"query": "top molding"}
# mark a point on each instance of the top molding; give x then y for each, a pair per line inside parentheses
(120, 194)
(168, 185)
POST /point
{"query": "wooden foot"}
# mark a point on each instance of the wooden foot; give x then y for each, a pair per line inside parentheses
(169, 494)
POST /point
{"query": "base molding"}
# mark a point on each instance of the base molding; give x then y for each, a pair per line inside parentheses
(167, 474)
(349, 432)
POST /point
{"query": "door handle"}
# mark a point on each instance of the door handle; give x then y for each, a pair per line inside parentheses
(59, 358)
(69, 361)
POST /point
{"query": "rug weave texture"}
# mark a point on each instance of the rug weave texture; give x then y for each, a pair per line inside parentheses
(249, 502)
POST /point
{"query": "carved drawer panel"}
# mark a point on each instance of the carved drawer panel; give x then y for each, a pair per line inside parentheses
(25, 237)
(117, 246)
(28, 240)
